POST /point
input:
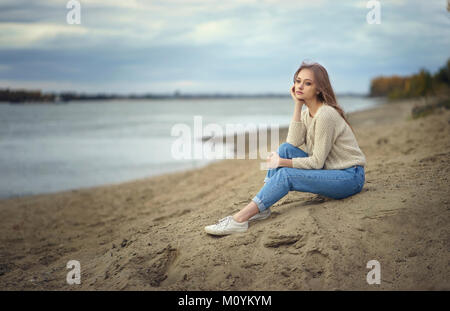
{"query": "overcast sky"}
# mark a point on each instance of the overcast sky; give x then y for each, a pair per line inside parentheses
(208, 46)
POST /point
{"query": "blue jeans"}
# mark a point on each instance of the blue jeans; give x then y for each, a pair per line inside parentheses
(336, 184)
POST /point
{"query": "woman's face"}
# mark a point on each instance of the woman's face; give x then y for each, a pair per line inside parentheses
(305, 88)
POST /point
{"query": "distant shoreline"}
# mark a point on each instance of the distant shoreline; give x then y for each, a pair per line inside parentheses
(37, 97)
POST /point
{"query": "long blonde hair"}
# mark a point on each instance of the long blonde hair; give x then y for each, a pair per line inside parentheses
(323, 84)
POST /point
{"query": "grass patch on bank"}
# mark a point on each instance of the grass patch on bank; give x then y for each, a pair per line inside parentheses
(427, 109)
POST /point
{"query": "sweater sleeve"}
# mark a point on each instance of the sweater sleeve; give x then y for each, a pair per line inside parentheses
(296, 133)
(323, 141)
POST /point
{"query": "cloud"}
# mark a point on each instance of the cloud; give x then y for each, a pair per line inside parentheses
(213, 31)
(196, 44)
(21, 35)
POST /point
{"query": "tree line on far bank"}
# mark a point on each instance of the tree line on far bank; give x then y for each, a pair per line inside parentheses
(421, 84)
(29, 96)
(18, 96)
(21, 96)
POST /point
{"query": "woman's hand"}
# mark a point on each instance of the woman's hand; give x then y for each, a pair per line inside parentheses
(273, 160)
(294, 97)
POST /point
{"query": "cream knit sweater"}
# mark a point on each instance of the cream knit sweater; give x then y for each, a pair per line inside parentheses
(328, 139)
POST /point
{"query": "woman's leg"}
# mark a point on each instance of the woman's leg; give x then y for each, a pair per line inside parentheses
(336, 184)
(286, 151)
(247, 212)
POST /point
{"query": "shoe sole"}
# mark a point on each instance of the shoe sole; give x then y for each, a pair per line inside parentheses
(223, 233)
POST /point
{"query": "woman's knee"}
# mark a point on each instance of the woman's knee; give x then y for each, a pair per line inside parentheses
(287, 150)
(283, 149)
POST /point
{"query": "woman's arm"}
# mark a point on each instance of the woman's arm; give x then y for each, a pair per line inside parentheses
(285, 162)
(296, 134)
(274, 160)
(297, 129)
(297, 112)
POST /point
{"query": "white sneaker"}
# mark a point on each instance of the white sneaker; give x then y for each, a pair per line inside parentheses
(226, 226)
(261, 215)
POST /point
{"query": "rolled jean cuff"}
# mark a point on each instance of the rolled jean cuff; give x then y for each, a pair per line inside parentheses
(259, 203)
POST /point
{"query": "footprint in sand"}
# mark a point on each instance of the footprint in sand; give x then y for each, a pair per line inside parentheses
(275, 241)
(153, 267)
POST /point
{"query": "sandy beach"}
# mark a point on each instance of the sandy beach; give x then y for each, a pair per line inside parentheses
(148, 234)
